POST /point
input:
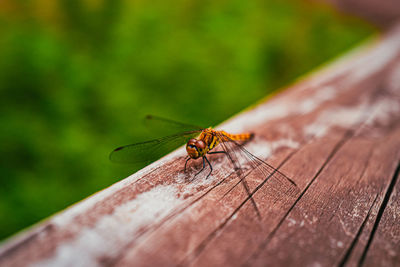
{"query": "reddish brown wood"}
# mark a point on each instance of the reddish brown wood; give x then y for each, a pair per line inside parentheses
(384, 243)
(382, 13)
(336, 133)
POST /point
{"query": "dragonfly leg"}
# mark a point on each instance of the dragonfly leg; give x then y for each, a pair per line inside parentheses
(186, 163)
(211, 169)
(204, 165)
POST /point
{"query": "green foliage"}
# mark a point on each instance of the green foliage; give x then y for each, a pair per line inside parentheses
(77, 77)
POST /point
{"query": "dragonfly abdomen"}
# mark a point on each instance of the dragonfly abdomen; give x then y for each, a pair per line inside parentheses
(238, 137)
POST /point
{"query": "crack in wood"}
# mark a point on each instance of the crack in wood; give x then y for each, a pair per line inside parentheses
(380, 214)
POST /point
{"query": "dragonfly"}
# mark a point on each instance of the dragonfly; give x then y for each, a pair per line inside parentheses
(200, 142)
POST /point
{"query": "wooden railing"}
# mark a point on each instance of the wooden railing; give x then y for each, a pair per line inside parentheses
(336, 134)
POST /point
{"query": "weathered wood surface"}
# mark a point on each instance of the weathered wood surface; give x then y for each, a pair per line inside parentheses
(336, 134)
(384, 13)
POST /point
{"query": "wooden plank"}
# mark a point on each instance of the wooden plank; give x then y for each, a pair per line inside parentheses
(336, 134)
(382, 13)
(383, 244)
(327, 218)
(222, 247)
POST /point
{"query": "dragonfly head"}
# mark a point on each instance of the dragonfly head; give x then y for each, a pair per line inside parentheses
(195, 148)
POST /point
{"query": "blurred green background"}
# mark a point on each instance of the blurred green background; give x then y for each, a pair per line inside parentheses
(77, 77)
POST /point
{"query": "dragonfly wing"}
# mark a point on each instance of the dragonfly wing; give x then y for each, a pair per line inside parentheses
(237, 154)
(150, 150)
(167, 126)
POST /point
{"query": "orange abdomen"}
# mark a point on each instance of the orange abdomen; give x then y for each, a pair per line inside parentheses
(239, 137)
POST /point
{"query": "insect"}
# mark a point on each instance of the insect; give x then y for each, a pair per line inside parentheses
(207, 140)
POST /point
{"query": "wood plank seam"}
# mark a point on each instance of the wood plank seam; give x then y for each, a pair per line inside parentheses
(385, 201)
(349, 251)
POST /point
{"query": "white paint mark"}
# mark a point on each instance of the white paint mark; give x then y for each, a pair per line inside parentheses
(316, 264)
(374, 61)
(260, 148)
(341, 117)
(234, 217)
(112, 232)
(291, 222)
(285, 143)
(66, 217)
(280, 108)
(261, 114)
(322, 95)
(384, 110)
(339, 66)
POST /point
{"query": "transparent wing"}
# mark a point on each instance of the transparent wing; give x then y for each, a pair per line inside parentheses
(167, 126)
(150, 150)
(240, 157)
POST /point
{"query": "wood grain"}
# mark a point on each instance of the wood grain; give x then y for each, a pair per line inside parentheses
(336, 134)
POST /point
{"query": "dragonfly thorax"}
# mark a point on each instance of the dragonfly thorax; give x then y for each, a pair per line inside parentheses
(196, 148)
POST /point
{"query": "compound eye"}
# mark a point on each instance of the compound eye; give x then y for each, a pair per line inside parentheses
(192, 144)
(200, 144)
